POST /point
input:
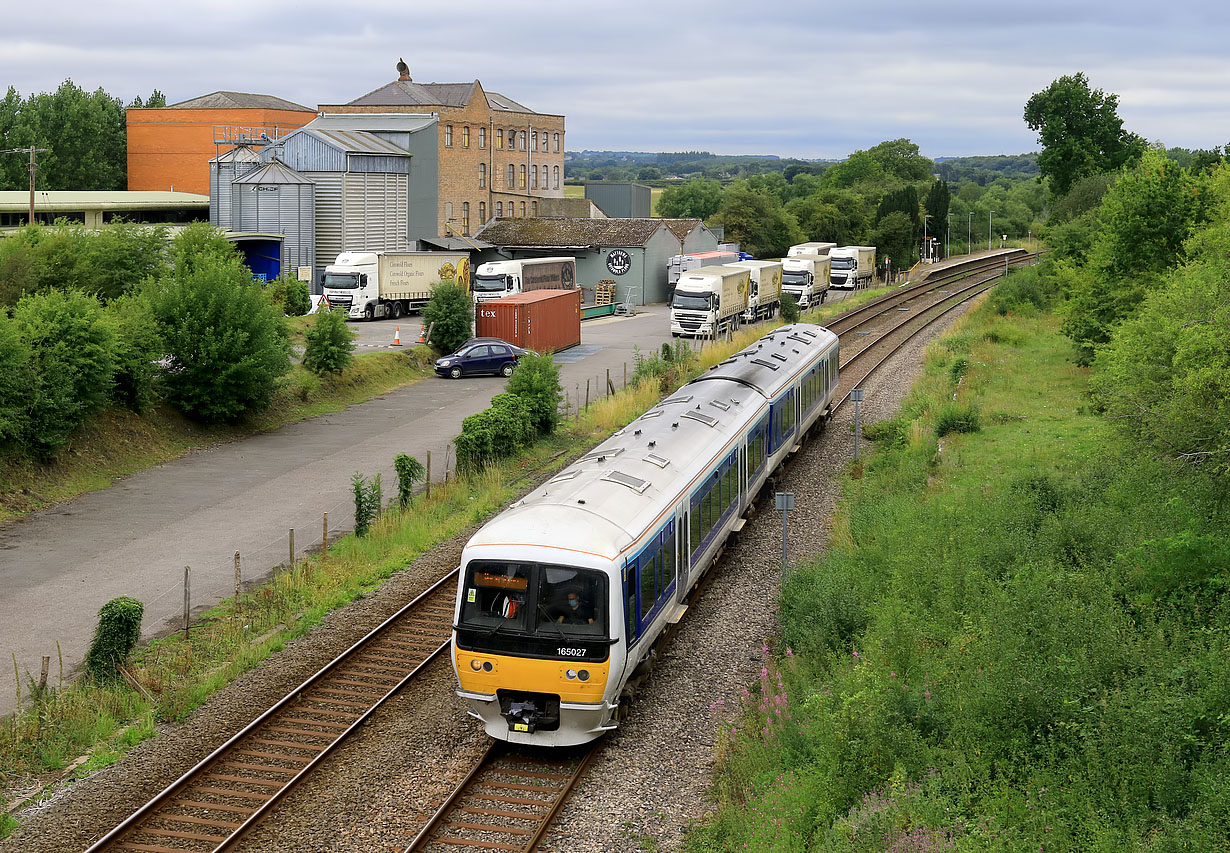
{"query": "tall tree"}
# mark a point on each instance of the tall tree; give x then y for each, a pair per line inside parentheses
(757, 220)
(938, 199)
(1080, 132)
(698, 198)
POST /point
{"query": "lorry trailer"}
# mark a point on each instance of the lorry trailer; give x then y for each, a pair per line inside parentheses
(764, 293)
(810, 249)
(497, 279)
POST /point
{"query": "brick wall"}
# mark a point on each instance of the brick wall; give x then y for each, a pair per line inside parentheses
(171, 148)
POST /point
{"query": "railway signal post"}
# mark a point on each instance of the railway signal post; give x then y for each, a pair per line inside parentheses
(856, 397)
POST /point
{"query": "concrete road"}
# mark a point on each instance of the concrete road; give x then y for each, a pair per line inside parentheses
(59, 566)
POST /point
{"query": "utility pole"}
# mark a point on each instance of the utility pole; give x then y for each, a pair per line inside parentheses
(31, 151)
(989, 213)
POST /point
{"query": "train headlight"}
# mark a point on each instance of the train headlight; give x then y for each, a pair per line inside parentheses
(487, 667)
(476, 664)
(571, 674)
(583, 675)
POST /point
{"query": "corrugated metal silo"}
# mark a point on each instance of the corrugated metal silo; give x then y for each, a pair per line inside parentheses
(223, 169)
(275, 198)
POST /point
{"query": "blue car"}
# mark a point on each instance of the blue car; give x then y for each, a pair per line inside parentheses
(480, 355)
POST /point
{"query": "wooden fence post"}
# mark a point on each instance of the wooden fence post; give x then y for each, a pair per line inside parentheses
(325, 550)
(291, 562)
(187, 598)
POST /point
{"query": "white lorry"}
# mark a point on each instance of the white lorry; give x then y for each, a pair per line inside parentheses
(806, 278)
(389, 284)
(764, 293)
(497, 279)
(709, 300)
(852, 266)
(810, 249)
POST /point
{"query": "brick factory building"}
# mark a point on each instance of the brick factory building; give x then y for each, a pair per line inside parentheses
(497, 158)
(170, 148)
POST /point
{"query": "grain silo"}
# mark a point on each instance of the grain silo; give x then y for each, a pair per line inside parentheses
(277, 199)
(223, 169)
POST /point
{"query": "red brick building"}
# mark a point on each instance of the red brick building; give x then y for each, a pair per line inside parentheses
(170, 148)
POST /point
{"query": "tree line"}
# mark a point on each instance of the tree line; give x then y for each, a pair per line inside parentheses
(85, 134)
(886, 196)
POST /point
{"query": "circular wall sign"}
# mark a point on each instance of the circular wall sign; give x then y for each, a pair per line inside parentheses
(618, 261)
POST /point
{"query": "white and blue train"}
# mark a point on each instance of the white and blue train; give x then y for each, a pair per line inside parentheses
(562, 595)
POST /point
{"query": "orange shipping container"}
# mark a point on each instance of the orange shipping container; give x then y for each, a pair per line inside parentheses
(541, 320)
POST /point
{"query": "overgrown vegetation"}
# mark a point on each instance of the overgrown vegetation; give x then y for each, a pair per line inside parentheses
(329, 344)
(1027, 648)
(119, 629)
(449, 314)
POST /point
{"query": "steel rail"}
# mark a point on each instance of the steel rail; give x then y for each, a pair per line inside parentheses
(221, 838)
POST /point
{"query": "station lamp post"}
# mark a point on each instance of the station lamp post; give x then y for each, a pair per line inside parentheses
(926, 245)
(947, 235)
(989, 214)
(969, 234)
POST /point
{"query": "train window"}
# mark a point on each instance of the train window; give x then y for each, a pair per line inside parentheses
(572, 600)
(694, 529)
(668, 556)
(496, 594)
(649, 582)
(630, 605)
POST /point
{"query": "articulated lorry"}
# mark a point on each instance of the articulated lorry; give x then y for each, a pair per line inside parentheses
(806, 278)
(709, 300)
(497, 279)
(764, 293)
(852, 266)
(389, 284)
(810, 249)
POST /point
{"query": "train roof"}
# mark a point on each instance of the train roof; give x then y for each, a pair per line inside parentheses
(765, 366)
(602, 502)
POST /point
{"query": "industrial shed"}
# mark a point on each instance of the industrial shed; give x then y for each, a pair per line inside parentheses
(276, 199)
(629, 253)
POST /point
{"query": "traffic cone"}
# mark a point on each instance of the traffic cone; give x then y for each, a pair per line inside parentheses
(422, 335)
(397, 337)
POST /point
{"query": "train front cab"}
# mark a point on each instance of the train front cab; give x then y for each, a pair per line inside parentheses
(531, 668)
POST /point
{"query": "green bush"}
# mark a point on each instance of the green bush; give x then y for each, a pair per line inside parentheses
(119, 628)
(329, 343)
(226, 346)
(368, 501)
(1023, 289)
(409, 471)
(536, 382)
(71, 366)
(665, 368)
(291, 296)
(14, 382)
(138, 347)
(790, 308)
(957, 417)
(450, 316)
(494, 433)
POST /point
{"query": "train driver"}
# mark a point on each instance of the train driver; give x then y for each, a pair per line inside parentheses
(575, 611)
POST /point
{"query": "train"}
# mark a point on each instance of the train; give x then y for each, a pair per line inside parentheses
(561, 596)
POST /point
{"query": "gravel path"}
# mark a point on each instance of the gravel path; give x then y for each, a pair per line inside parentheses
(646, 786)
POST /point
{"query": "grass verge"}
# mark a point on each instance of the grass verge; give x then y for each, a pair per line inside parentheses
(1018, 639)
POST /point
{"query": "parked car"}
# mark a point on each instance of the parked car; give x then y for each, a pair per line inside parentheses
(480, 355)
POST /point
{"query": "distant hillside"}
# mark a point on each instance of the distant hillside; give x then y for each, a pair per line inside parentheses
(647, 166)
(985, 169)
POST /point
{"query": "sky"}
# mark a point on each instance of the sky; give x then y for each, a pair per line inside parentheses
(814, 80)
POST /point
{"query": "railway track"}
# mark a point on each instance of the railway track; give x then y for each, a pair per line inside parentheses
(212, 805)
(509, 798)
(506, 802)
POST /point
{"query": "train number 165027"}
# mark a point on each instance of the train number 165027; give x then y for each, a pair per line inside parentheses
(571, 653)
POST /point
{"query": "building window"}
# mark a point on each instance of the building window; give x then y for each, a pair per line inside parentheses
(523, 146)
(523, 210)
(545, 185)
(465, 218)
(555, 180)
(522, 184)
(465, 137)
(557, 143)
(533, 177)
(482, 137)
(534, 140)
(534, 208)
(482, 176)
(499, 138)
(499, 209)
(512, 176)
(482, 213)
(448, 135)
